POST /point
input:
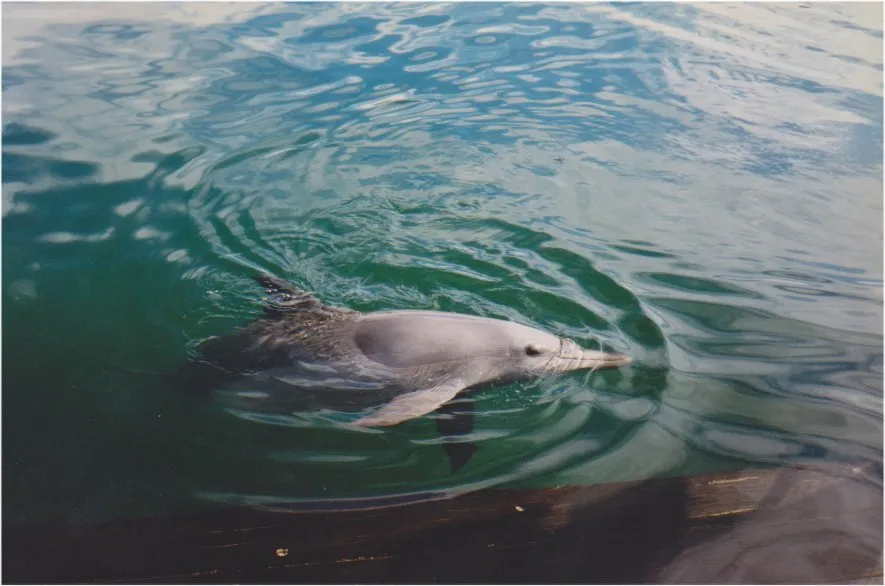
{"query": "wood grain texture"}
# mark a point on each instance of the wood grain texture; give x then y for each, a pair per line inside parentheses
(811, 525)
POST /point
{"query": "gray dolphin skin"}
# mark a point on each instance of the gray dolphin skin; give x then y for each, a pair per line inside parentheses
(303, 355)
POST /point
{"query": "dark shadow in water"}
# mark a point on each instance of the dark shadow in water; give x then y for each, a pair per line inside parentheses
(456, 419)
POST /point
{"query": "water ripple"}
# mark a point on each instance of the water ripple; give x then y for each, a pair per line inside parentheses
(697, 185)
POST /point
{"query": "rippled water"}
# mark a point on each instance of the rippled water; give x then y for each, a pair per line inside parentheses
(697, 185)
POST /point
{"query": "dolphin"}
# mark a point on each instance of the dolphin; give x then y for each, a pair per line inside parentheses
(389, 366)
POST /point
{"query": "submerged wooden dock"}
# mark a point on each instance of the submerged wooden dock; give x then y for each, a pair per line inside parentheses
(788, 525)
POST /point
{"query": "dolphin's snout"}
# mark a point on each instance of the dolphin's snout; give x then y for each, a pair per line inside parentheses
(595, 360)
(573, 357)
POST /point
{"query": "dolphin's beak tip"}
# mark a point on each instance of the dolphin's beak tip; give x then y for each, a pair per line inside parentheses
(618, 361)
(596, 360)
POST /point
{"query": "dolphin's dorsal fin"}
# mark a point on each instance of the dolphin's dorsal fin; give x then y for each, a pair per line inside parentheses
(284, 297)
(412, 405)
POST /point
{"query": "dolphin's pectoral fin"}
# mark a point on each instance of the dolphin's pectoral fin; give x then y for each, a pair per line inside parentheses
(457, 421)
(284, 296)
(411, 405)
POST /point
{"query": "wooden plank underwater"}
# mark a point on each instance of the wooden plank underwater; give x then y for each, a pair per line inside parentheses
(820, 524)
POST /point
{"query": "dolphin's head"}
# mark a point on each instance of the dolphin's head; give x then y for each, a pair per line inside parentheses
(535, 352)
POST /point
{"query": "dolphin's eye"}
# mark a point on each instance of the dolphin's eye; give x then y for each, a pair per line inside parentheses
(532, 350)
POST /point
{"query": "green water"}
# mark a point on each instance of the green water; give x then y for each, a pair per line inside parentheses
(646, 178)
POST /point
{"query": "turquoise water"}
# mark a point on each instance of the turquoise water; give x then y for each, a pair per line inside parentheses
(699, 186)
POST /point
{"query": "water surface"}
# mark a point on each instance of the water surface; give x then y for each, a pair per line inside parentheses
(697, 185)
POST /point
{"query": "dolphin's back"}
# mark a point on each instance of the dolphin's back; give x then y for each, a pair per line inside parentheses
(413, 339)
